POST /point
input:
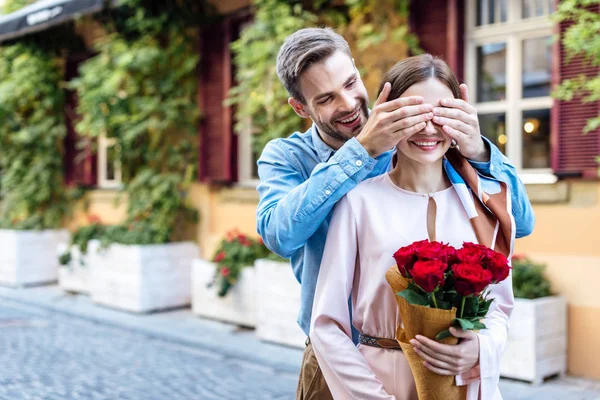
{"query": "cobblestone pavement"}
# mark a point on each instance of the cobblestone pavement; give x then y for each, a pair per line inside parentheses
(56, 354)
(49, 356)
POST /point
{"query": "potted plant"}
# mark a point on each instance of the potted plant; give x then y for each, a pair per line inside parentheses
(226, 287)
(33, 199)
(537, 340)
(278, 297)
(74, 269)
(152, 114)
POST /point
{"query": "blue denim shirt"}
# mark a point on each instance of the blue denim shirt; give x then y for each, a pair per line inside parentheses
(301, 180)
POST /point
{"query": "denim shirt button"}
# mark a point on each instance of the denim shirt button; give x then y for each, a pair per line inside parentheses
(358, 163)
(327, 192)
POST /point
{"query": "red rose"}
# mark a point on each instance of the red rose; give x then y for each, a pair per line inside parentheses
(471, 278)
(428, 274)
(497, 264)
(225, 271)
(429, 250)
(405, 259)
(220, 256)
(261, 241)
(470, 255)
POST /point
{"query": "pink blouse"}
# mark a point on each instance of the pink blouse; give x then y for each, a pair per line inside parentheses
(368, 225)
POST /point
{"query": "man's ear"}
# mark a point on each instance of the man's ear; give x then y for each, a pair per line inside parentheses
(298, 107)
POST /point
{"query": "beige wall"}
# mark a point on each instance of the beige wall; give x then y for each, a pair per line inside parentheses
(566, 238)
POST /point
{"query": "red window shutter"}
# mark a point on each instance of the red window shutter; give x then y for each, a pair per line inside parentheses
(217, 140)
(439, 25)
(80, 164)
(574, 154)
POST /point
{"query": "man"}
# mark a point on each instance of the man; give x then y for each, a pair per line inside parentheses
(303, 176)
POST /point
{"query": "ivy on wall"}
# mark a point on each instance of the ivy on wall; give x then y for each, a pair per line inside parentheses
(141, 89)
(581, 38)
(31, 137)
(376, 30)
(14, 5)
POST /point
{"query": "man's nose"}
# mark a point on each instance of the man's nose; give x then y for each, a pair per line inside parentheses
(347, 102)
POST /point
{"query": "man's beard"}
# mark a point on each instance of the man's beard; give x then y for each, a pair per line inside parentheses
(329, 128)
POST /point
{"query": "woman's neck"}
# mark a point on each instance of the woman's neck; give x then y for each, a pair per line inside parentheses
(419, 178)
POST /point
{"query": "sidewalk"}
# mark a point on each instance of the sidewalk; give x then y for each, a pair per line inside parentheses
(182, 327)
(179, 326)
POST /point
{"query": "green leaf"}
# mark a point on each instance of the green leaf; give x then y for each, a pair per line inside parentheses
(414, 297)
(471, 307)
(479, 325)
(443, 335)
(463, 323)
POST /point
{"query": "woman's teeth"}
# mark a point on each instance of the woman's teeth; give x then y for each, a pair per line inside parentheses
(425, 144)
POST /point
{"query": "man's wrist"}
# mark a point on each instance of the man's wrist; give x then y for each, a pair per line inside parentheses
(483, 155)
(365, 145)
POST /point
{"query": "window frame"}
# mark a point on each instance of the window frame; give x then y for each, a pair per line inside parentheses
(514, 31)
(103, 182)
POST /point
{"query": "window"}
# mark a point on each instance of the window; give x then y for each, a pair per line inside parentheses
(247, 157)
(508, 71)
(109, 163)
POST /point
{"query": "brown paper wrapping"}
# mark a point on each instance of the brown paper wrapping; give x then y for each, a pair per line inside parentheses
(428, 322)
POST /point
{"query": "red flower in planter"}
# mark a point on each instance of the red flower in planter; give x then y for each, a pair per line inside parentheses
(225, 271)
(220, 256)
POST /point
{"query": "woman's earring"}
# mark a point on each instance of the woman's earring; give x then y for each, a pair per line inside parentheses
(453, 144)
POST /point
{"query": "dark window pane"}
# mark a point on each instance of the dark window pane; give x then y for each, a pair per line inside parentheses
(503, 10)
(527, 11)
(536, 139)
(491, 11)
(491, 72)
(537, 67)
(111, 159)
(493, 126)
(481, 18)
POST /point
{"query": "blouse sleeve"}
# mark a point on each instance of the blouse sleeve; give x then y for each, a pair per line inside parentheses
(346, 371)
(492, 341)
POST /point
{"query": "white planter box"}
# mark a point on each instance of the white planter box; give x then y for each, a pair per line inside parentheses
(238, 306)
(28, 258)
(278, 304)
(141, 278)
(75, 276)
(537, 341)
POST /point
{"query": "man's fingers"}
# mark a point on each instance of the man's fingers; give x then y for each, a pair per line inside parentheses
(458, 103)
(409, 111)
(454, 113)
(399, 103)
(410, 121)
(406, 132)
(453, 123)
(382, 98)
(464, 92)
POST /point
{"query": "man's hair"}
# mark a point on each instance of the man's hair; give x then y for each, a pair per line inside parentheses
(417, 69)
(302, 49)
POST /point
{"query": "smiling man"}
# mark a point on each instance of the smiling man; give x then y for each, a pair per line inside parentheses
(303, 176)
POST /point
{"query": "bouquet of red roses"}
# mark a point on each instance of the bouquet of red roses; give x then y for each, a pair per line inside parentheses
(438, 286)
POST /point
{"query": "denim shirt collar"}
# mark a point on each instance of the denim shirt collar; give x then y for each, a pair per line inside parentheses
(323, 150)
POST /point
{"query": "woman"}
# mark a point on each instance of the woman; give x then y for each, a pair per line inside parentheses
(421, 197)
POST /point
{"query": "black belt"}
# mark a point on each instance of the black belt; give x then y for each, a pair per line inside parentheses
(382, 343)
